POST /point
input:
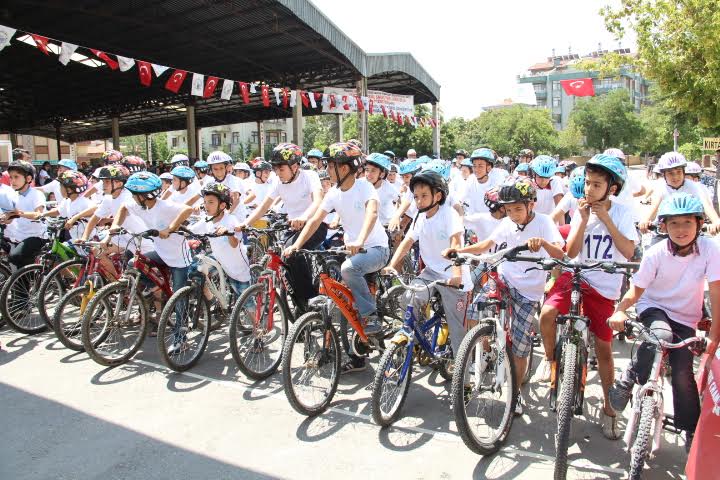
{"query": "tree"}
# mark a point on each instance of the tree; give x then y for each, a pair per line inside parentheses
(509, 130)
(570, 141)
(319, 131)
(678, 48)
(607, 121)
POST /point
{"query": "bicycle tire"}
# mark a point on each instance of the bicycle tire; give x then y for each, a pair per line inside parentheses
(54, 286)
(482, 446)
(446, 365)
(102, 299)
(18, 312)
(381, 380)
(167, 332)
(301, 337)
(566, 405)
(69, 333)
(5, 274)
(245, 337)
(255, 250)
(643, 440)
(530, 358)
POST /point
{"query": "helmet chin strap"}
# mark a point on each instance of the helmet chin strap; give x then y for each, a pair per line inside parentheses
(337, 175)
(531, 215)
(676, 249)
(295, 173)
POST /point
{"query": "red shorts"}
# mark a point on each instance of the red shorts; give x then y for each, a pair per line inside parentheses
(597, 308)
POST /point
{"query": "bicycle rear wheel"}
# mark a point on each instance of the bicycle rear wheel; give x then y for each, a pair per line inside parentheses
(59, 280)
(121, 321)
(184, 328)
(5, 273)
(391, 384)
(67, 319)
(643, 440)
(484, 390)
(257, 335)
(566, 404)
(311, 364)
(19, 299)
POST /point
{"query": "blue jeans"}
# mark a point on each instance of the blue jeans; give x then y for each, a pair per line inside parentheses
(178, 275)
(354, 270)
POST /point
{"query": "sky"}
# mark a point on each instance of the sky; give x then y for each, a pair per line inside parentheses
(475, 49)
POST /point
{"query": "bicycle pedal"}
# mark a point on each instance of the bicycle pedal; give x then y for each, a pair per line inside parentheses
(536, 341)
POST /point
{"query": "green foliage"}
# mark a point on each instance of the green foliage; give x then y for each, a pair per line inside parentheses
(570, 141)
(692, 151)
(607, 121)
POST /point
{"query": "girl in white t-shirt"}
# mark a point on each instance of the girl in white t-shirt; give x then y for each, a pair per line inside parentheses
(73, 205)
(668, 293)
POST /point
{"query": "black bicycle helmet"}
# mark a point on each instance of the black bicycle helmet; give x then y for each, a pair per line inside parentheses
(522, 190)
(433, 180)
(221, 191)
(23, 167)
(286, 154)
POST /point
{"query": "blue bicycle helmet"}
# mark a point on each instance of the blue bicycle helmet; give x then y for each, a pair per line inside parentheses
(379, 160)
(680, 204)
(523, 167)
(409, 166)
(183, 172)
(466, 162)
(560, 170)
(201, 165)
(389, 153)
(68, 164)
(543, 166)
(483, 154)
(423, 160)
(577, 183)
(314, 153)
(143, 182)
(439, 166)
(613, 166)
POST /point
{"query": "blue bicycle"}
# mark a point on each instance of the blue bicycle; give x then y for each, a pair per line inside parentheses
(426, 341)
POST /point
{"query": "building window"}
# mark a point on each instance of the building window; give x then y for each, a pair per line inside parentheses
(235, 137)
(215, 139)
(540, 87)
(556, 102)
(284, 137)
(556, 86)
(542, 103)
(174, 142)
(254, 137)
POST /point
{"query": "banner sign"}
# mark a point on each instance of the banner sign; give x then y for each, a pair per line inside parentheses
(347, 97)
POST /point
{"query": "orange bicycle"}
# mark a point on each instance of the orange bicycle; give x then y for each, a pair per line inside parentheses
(311, 354)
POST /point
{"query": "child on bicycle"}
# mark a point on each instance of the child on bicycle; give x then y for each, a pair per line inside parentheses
(668, 293)
(185, 189)
(548, 186)
(521, 226)
(73, 206)
(601, 229)
(437, 228)
(356, 202)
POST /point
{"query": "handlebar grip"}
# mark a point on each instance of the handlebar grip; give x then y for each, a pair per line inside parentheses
(151, 233)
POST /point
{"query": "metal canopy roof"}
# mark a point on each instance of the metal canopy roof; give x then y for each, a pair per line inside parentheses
(285, 43)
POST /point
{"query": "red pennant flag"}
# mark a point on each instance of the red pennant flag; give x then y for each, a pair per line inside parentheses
(318, 96)
(384, 111)
(265, 94)
(332, 100)
(578, 87)
(392, 115)
(210, 86)
(370, 107)
(246, 93)
(176, 80)
(305, 99)
(422, 122)
(401, 120)
(41, 43)
(285, 97)
(346, 105)
(105, 58)
(145, 72)
(360, 106)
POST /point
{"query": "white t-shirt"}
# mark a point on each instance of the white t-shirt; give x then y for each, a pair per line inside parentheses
(663, 190)
(351, 206)
(475, 195)
(387, 194)
(260, 190)
(433, 235)
(233, 260)
(530, 285)
(109, 207)
(43, 177)
(69, 208)
(297, 195)
(598, 245)
(498, 175)
(53, 187)
(21, 228)
(178, 197)
(412, 209)
(546, 197)
(172, 250)
(568, 203)
(483, 224)
(676, 284)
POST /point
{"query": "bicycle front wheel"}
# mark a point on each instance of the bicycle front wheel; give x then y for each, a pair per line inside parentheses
(311, 364)
(257, 332)
(484, 390)
(566, 402)
(184, 328)
(59, 280)
(643, 440)
(19, 299)
(118, 319)
(391, 384)
(67, 318)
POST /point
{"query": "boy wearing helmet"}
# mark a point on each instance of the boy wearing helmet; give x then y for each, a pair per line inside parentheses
(376, 170)
(601, 229)
(315, 157)
(356, 203)
(54, 186)
(408, 168)
(566, 208)
(549, 187)
(183, 177)
(436, 228)
(483, 160)
(221, 172)
(694, 171)
(73, 205)
(260, 183)
(671, 308)
(202, 169)
(672, 170)
(521, 226)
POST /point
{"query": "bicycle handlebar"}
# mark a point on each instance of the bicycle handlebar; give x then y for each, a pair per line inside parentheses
(510, 254)
(650, 337)
(332, 251)
(420, 288)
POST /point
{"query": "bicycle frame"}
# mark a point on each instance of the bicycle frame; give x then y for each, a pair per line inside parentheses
(497, 301)
(221, 294)
(411, 333)
(654, 386)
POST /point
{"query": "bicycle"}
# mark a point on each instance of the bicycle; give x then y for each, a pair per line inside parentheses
(31, 289)
(484, 368)
(647, 420)
(115, 322)
(93, 276)
(427, 341)
(311, 350)
(182, 337)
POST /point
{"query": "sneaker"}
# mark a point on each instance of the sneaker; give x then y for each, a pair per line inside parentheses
(353, 366)
(372, 325)
(176, 348)
(519, 406)
(609, 426)
(620, 393)
(543, 372)
(689, 436)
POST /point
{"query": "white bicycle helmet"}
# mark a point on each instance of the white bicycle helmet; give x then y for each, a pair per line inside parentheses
(242, 166)
(671, 160)
(180, 158)
(615, 152)
(693, 168)
(218, 157)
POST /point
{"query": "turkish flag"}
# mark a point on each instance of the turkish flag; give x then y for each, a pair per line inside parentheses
(145, 72)
(401, 120)
(384, 111)
(359, 103)
(41, 42)
(371, 108)
(318, 96)
(245, 93)
(305, 99)
(176, 80)
(210, 87)
(105, 58)
(285, 97)
(265, 95)
(332, 100)
(578, 87)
